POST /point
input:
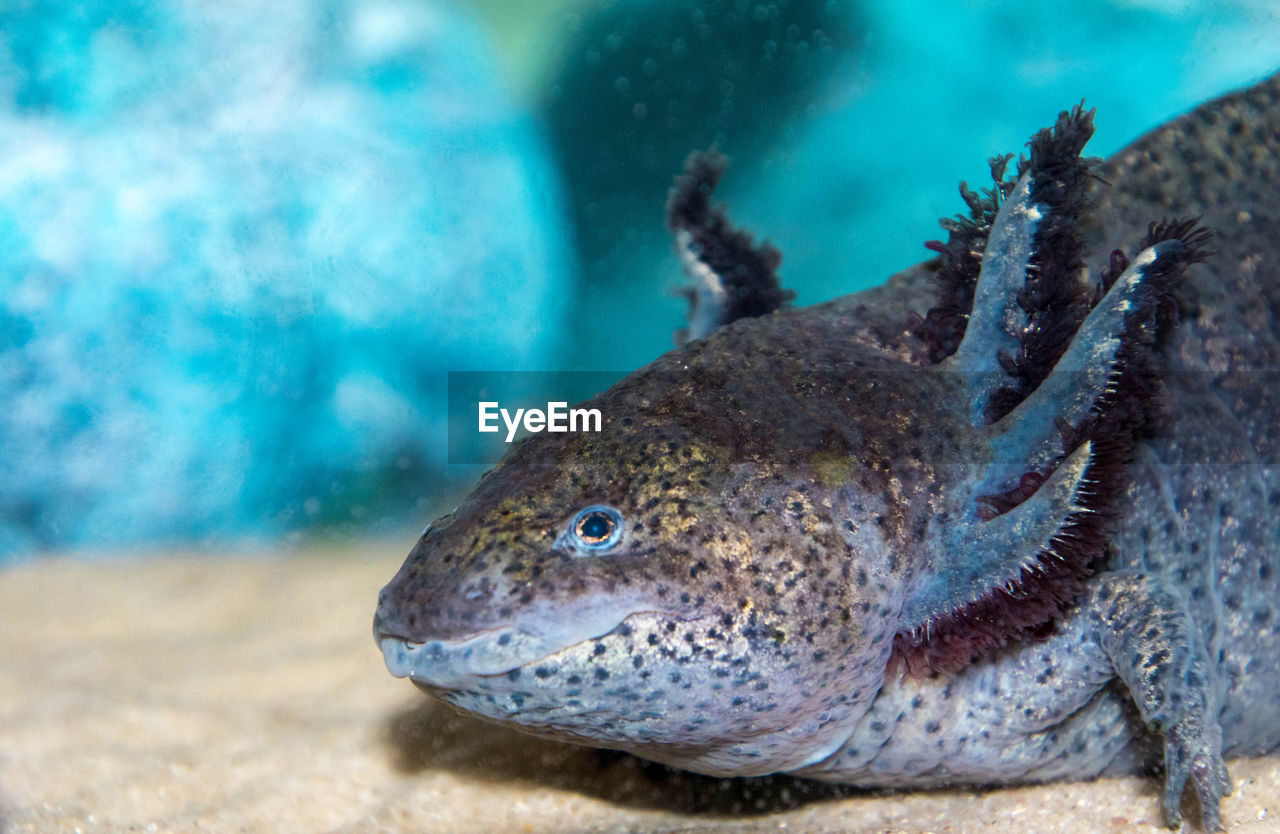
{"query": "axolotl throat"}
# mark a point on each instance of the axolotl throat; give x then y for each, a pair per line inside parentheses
(1010, 518)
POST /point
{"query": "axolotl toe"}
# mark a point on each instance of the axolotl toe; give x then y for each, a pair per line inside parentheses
(1010, 518)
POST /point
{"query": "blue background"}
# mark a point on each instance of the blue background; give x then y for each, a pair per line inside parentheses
(241, 245)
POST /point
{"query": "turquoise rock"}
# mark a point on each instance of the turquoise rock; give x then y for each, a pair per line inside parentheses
(240, 244)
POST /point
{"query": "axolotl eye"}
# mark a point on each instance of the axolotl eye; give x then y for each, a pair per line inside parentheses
(595, 529)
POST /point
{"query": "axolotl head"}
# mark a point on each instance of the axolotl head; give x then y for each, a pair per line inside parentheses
(669, 585)
(786, 510)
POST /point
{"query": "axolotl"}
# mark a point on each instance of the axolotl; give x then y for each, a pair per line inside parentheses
(1011, 517)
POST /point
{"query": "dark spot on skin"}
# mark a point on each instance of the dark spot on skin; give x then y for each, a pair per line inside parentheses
(601, 674)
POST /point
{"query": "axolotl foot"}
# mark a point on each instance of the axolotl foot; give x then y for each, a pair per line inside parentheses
(1156, 649)
(1193, 752)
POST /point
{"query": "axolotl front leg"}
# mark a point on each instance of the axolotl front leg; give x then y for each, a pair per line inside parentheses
(1062, 708)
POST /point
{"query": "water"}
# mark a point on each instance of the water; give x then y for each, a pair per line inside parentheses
(241, 247)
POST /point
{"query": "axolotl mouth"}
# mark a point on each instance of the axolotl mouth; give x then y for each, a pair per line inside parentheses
(454, 664)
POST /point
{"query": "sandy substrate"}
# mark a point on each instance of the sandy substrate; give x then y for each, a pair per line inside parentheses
(236, 695)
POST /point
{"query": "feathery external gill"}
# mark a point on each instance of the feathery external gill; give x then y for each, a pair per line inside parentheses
(1081, 374)
(731, 276)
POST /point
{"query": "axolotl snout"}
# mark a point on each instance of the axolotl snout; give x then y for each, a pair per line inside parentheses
(1025, 536)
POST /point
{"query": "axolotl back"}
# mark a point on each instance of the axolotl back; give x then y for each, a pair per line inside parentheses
(1009, 518)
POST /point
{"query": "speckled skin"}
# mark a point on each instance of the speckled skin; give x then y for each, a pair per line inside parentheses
(778, 479)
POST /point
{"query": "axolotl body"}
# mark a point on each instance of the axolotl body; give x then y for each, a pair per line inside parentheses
(1008, 518)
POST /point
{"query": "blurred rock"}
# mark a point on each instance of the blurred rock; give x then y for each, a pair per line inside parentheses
(945, 86)
(239, 244)
(849, 124)
(641, 84)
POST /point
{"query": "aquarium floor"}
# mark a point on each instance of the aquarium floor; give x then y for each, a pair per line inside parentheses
(236, 695)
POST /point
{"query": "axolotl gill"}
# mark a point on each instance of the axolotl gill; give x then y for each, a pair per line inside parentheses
(1009, 518)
